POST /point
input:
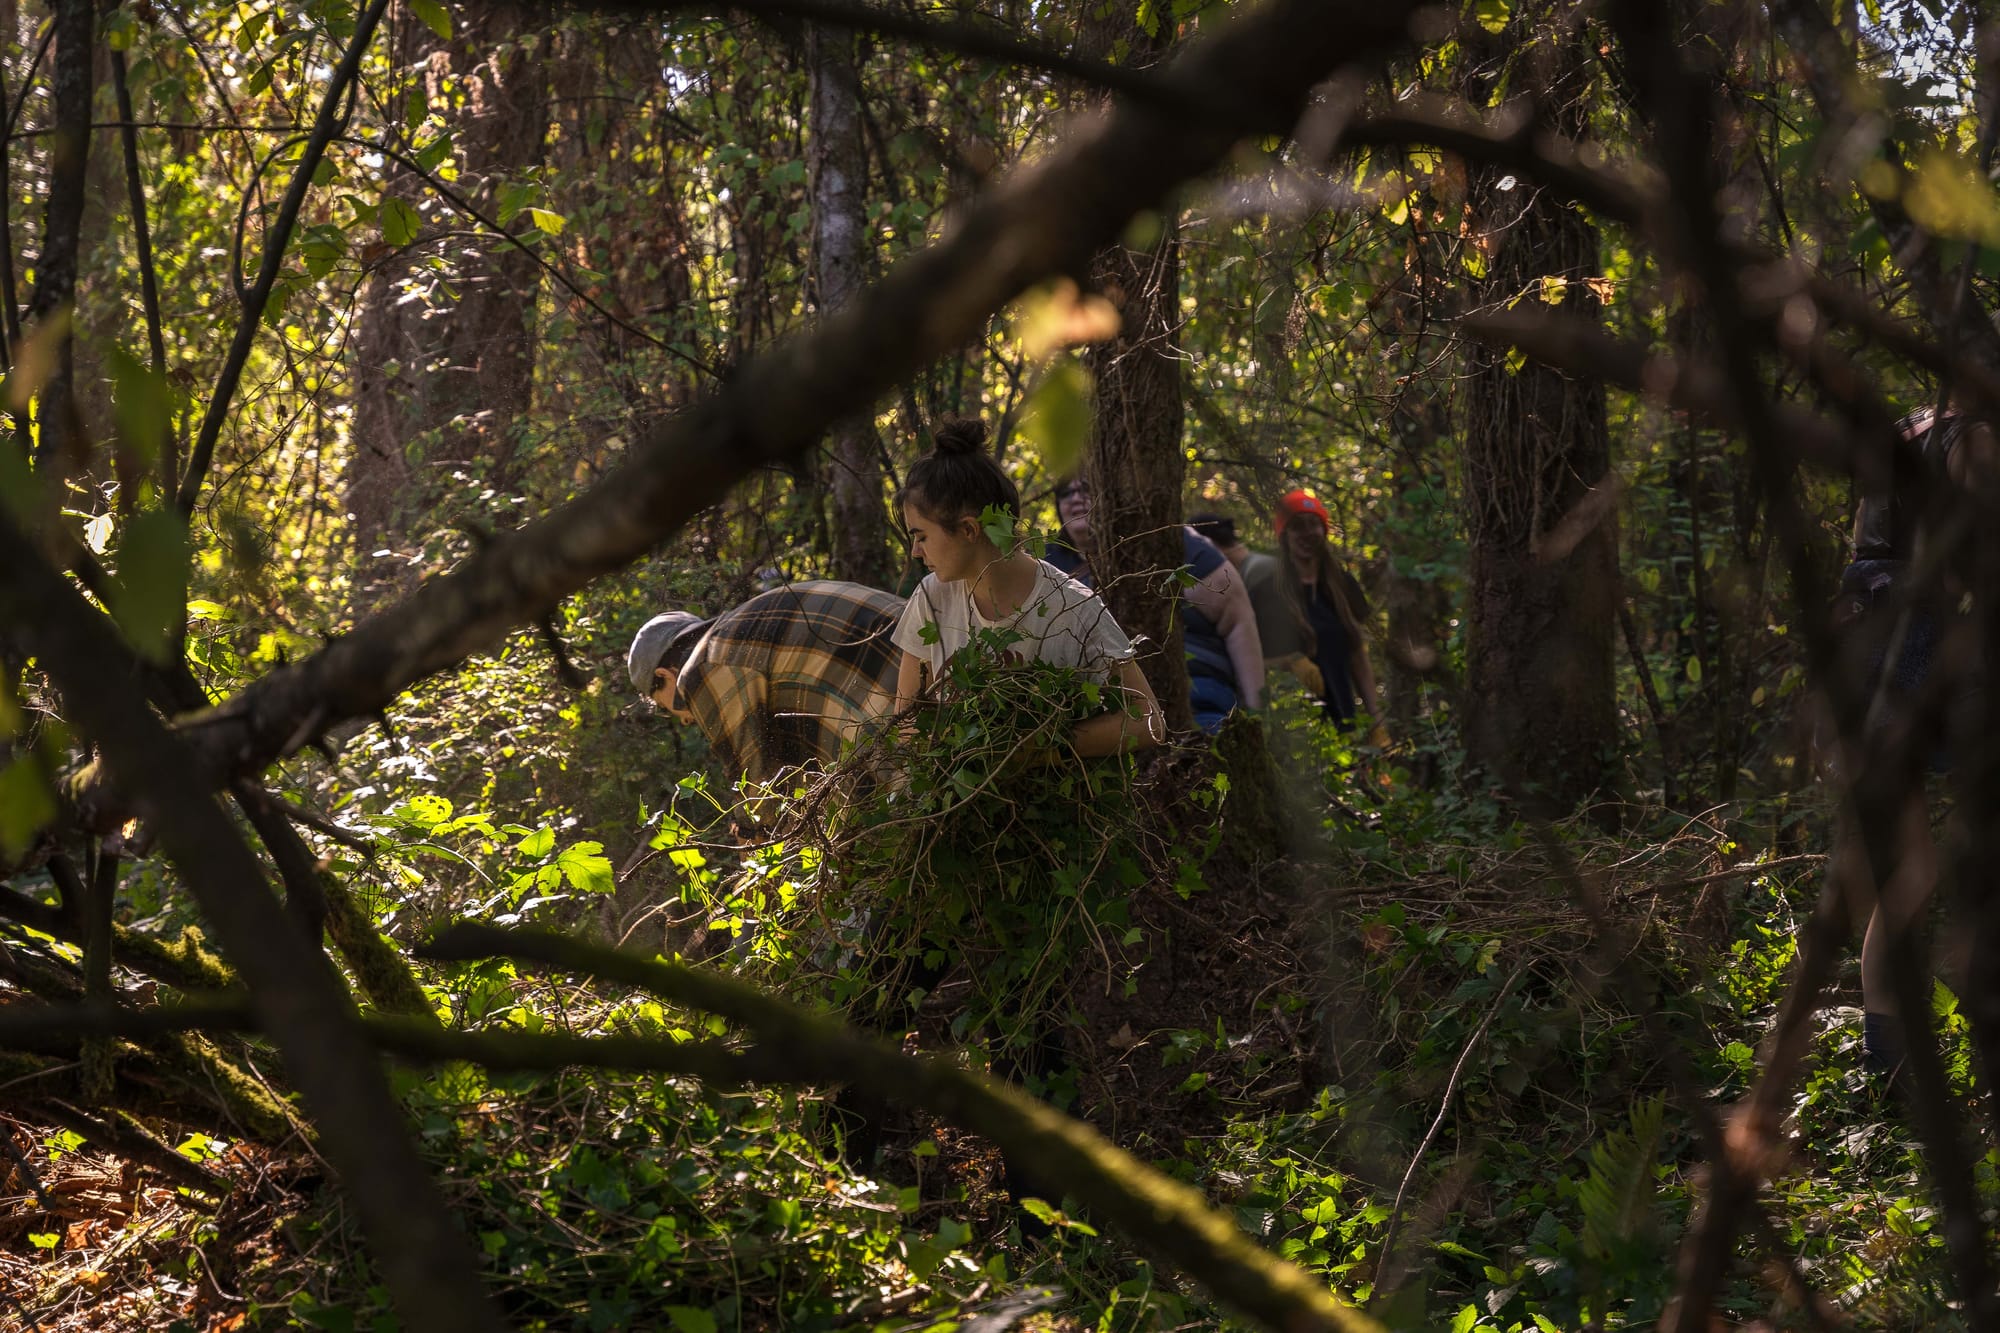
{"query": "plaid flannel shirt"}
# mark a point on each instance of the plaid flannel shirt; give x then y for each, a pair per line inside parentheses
(792, 674)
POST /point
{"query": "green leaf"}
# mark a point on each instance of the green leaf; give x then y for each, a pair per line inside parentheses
(44, 1240)
(251, 29)
(1492, 15)
(1056, 417)
(688, 1319)
(552, 223)
(1619, 1188)
(1949, 196)
(149, 596)
(586, 869)
(435, 16)
(26, 806)
(538, 843)
(400, 222)
(143, 406)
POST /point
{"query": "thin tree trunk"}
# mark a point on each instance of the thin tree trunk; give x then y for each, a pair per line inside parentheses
(55, 267)
(1136, 467)
(1542, 644)
(837, 159)
(443, 391)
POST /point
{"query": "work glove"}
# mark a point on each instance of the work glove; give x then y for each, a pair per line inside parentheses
(1307, 673)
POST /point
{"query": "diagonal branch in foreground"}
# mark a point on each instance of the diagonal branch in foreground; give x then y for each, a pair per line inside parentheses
(792, 1046)
(1159, 1213)
(1046, 220)
(298, 998)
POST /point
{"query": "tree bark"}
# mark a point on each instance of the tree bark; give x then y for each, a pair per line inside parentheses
(1540, 690)
(72, 80)
(837, 160)
(1136, 467)
(442, 389)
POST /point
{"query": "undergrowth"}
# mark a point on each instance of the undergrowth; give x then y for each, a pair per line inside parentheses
(1450, 1051)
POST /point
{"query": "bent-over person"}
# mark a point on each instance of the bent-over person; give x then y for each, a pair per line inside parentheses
(791, 675)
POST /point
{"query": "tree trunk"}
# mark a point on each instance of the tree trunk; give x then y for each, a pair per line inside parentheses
(443, 389)
(74, 69)
(1136, 467)
(1540, 692)
(837, 159)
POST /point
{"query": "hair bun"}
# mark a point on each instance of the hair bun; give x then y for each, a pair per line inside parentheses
(960, 435)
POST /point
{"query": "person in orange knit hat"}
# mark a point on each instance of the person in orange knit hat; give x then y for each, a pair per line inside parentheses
(1331, 604)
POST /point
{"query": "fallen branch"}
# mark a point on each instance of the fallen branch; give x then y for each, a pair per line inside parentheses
(1157, 1212)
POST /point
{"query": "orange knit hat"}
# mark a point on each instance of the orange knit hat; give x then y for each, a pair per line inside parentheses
(1295, 503)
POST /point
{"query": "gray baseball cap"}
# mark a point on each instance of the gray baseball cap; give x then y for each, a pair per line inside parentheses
(651, 644)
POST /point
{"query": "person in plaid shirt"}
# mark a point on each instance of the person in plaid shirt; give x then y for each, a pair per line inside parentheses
(789, 676)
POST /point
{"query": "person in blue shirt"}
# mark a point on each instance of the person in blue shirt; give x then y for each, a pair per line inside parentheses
(1225, 656)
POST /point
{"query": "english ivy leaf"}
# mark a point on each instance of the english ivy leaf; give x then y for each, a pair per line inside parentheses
(435, 16)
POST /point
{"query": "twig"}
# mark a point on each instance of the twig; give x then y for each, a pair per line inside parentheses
(1444, 1109)
(319, 823)
(27, 1169)
(433, 182)
(149, 286)
(1736, 872)
(1651, 694)
(10, 303)
(980, 41)
(566, 669)
(119, 1134)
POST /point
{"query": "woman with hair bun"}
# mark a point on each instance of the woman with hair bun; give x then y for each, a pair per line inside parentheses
(974, 585)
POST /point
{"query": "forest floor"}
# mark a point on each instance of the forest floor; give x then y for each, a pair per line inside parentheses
(1412, 1016)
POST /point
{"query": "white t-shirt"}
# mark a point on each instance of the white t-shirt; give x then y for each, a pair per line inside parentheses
(1061, 622)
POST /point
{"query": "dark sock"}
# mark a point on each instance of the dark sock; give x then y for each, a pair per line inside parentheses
(1881, 1043)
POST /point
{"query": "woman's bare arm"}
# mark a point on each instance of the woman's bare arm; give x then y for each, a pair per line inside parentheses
(1135, 723)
